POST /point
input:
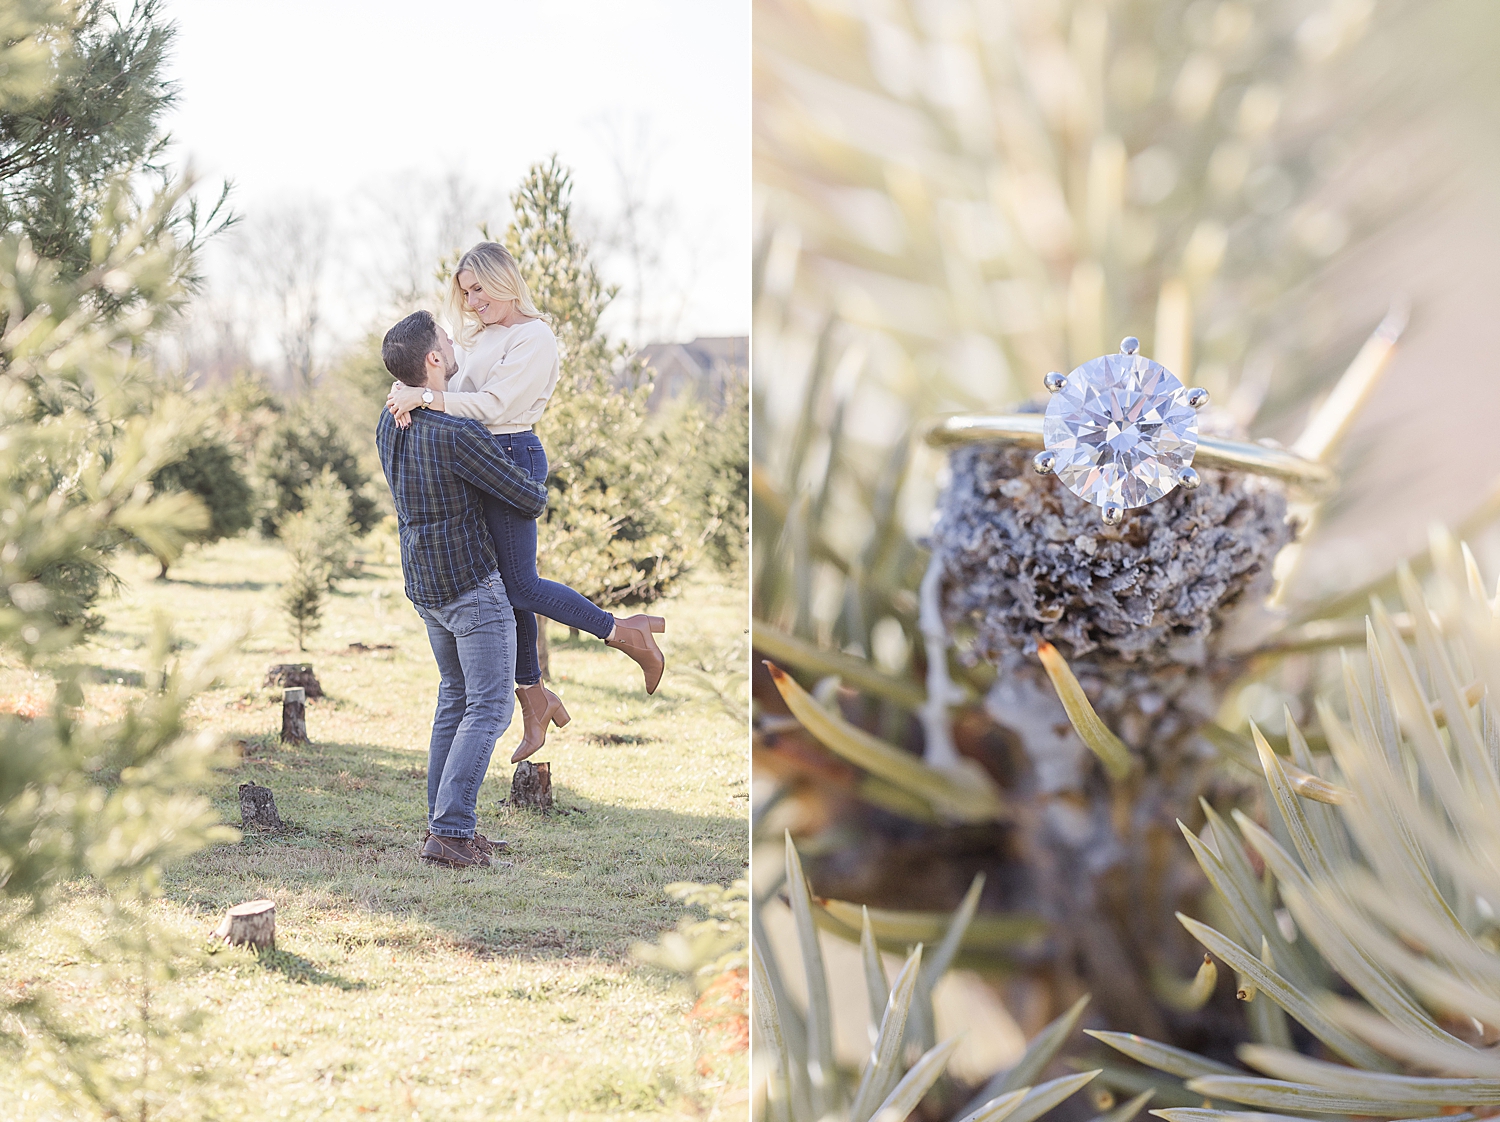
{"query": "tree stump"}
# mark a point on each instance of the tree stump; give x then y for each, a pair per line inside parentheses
(531, 786)
(295, 674)
(258, 809)
(252, 924)
(294, 716)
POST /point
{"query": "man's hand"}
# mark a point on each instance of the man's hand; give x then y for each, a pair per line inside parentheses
(401, 401)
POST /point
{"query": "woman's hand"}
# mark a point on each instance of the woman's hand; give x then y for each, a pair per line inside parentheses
(401, 401)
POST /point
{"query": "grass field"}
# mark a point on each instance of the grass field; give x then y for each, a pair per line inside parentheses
(399, 990)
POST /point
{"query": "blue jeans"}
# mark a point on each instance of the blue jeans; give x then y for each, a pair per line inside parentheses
(515, 546)
(474, 640)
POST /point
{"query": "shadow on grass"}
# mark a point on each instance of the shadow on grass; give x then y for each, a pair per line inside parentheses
(586, 882)
(111, 675)
(223, 585)
(618, 738)
(295, 968)
(583, 641)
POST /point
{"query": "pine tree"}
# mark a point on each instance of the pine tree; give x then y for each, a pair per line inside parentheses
(319, 539)
(622, 525)
(83, 436)
(81, 91)
(327, 506)
(724, 479)
(74, 120)
(210, 470)
(304, 442)
(302, 595)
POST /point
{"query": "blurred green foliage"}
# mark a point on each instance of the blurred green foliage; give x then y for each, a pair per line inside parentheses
(704, 949)
(210, 469)
(86, 88)
(84, 433)
(306, 440)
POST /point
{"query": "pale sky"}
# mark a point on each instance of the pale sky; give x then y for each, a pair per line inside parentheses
(328, 99)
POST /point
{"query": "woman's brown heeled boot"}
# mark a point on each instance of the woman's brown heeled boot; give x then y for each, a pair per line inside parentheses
(633, 636)
(538, 706)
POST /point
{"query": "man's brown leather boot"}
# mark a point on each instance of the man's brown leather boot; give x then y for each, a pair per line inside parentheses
(482, 843)
(454, 853)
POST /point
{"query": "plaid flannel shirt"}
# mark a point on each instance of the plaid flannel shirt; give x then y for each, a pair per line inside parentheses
(436, 470)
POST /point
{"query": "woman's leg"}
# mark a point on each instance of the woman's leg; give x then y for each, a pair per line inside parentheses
(505, 526)
(515, 545)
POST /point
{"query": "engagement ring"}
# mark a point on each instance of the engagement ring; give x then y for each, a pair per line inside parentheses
(1120, 432)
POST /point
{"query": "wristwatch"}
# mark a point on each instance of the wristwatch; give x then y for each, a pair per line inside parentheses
(426, 398)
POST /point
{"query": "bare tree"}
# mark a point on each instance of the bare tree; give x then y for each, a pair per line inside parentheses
(210, 338)
(286, 258)
(214, 339)
(646, 235)
(427, 221)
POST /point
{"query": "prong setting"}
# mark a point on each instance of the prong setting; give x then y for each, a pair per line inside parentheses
(1197, 397)
(1188, 479)
(1044, 462)
(1113, 514)
(1055, 381)
(1130, 345)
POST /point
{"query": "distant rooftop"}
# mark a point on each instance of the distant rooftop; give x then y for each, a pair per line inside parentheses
(705, 367)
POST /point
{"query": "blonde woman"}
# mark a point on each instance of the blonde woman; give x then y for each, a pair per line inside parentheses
(506, 376)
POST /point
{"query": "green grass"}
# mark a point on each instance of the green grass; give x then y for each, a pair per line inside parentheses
(398, 990)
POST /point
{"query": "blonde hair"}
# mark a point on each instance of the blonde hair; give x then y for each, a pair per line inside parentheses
(497, 273)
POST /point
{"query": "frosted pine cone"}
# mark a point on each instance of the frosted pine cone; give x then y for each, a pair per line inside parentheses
(1141, 610)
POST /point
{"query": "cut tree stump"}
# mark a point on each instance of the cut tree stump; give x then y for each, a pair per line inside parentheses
(258, 809)
(295, 674)
(531, 786)
(294, 716)
(252, 924)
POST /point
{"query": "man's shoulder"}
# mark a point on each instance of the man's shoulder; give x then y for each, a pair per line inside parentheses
(451, 426)
(385, 427)
(430, 423)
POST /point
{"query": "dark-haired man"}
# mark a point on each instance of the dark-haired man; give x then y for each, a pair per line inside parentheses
(436, 469)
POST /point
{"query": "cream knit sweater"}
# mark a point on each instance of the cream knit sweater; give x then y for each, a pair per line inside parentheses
(506, 378)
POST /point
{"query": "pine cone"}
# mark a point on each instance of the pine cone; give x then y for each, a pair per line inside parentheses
(1146, 612)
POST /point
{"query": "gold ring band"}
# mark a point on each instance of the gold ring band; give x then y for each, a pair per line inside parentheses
(1025, 429)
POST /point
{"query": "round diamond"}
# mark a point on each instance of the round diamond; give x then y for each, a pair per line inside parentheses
(1121, 429)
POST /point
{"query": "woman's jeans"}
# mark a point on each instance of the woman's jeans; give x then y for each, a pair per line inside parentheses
(515, 546)
(473, 638)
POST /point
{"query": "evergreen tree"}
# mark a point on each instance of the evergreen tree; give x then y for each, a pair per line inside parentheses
(303, 442)
(555, 261)
(319, 540)
(81, 90)
(724, 487)
(245, 412)
(83, 436)
(75, 119)
(622, 524)
(326, 506)
(209, 469)
(302, 595)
